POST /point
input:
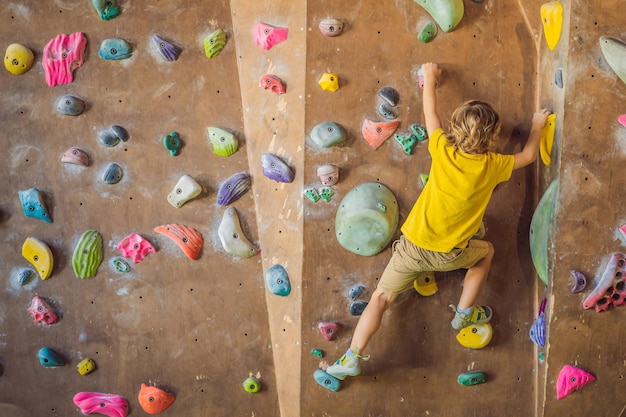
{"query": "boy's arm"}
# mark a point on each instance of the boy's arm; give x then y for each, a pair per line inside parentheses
(430, 72)
(528, 155)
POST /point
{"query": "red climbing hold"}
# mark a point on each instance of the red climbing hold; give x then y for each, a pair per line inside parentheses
(328, 329)
(187, 238)
(376, 133)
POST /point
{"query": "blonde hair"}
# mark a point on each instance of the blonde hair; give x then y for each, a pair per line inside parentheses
(474, 126)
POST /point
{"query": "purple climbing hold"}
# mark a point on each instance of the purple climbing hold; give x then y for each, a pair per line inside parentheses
(538, 329)
(233, 188)
(275, 168)
(168, 50)
(579, 281)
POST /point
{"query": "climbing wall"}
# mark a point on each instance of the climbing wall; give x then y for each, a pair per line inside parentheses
(198, 328)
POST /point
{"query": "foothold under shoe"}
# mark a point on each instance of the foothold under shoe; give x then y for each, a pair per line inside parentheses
(326, 380)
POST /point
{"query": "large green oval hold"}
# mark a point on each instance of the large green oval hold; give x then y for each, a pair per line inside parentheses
(87, 254)
(614, 52)
(540, 230)
(447, 13)
(367, 219)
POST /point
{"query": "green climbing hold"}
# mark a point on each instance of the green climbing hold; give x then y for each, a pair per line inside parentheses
(326, 193)
(428, 32)
(424, 178)
(312, 194)
(407, 142)
(367, 219)
(472, 378)
(447, 13)
(252, 385)
(87, 254)
(419, 132)
(317, 352)
(540, 230)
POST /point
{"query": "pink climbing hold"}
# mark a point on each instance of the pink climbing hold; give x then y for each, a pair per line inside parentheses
(111, 405)
(328, 329)
(611, 289)
(61, 56)
(136, 247)
(267, 36)
(622, 120)
(272, 83)
(572, 379)
(41, 311)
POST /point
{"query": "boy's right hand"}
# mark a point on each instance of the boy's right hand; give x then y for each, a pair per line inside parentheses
(539, 119)
(431, 72)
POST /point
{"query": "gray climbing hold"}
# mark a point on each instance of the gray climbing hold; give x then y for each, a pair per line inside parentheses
(558, 78)
(113, 174)
(357, 307)
(70, 106)
(386, 112)
(390, 95)
(328, 134)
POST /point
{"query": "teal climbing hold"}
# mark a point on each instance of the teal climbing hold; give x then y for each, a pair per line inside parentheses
(367, 219)
(277, 281)
(326, 380)
(472, 378)
(540, 230)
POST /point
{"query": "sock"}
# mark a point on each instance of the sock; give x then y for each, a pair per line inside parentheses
(349, 353)
(467, 311)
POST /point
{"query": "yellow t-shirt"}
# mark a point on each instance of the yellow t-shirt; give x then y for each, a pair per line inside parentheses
(449, 210)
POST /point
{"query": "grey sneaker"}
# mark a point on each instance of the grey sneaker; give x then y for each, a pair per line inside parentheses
(346, 366)
(479, 315)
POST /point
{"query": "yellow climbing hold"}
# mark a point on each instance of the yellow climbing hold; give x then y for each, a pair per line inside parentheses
(425, 285)
(552, 19)
(547, 139)
(329, 82)
(39, 255)
(476, 336)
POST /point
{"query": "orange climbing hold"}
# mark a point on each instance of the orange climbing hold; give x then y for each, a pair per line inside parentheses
(187, 238)
(154, 400)
(376, 133)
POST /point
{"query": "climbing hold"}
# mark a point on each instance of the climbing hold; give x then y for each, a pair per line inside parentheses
(614, 52)
(275, 168)
(622, 120)
(329, 174)
(547, 139)
(317, 352)
(558, 78)
(328, 329)
(168, 50)
(113, 174)
(386, 112)
(420, 78)
(252, 385)
(328, 134)
(472, 378)
(61, 56)
(611, 288)
(120, 132)
(75, 156)
(428, 32)
(233, 188)
(108, 139)
(86, 366)
(115, 49)
(33, 205)
(42, 312)
(367, 219)
(312, 194)
(540, 230)
(425, 285)
(39, 255)
(154, 400)
(419, 132)
(266, 36)
(111, 405)
(329, 82)
(136, 247)
(357, 308)
(232, 237)
(552, 19)
(186, 188)
(376, 133)
(326, 380)
(70, 106)
(24, 276)
(326, 193)
(224, 143)
(356, 291)
(331, 27)
(537, 331)
(214, 43)
(87, 255)
(390, 95)
(187, 238)
(120, 265)
(49, 357)
(476, 336)
(107, 9)
(579, 281)
(407, 142)
(447, 13)
(572, 379)
(272, 83)
(18, 59)
(277, 280)
(173, 143)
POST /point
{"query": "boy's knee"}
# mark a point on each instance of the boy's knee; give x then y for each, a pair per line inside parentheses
(381, 300)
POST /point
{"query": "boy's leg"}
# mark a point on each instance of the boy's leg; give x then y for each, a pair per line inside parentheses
(475, 277)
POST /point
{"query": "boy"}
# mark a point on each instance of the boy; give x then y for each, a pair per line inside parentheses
(438, 232)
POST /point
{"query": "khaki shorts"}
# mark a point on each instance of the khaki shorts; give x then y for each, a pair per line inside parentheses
(408, 262)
